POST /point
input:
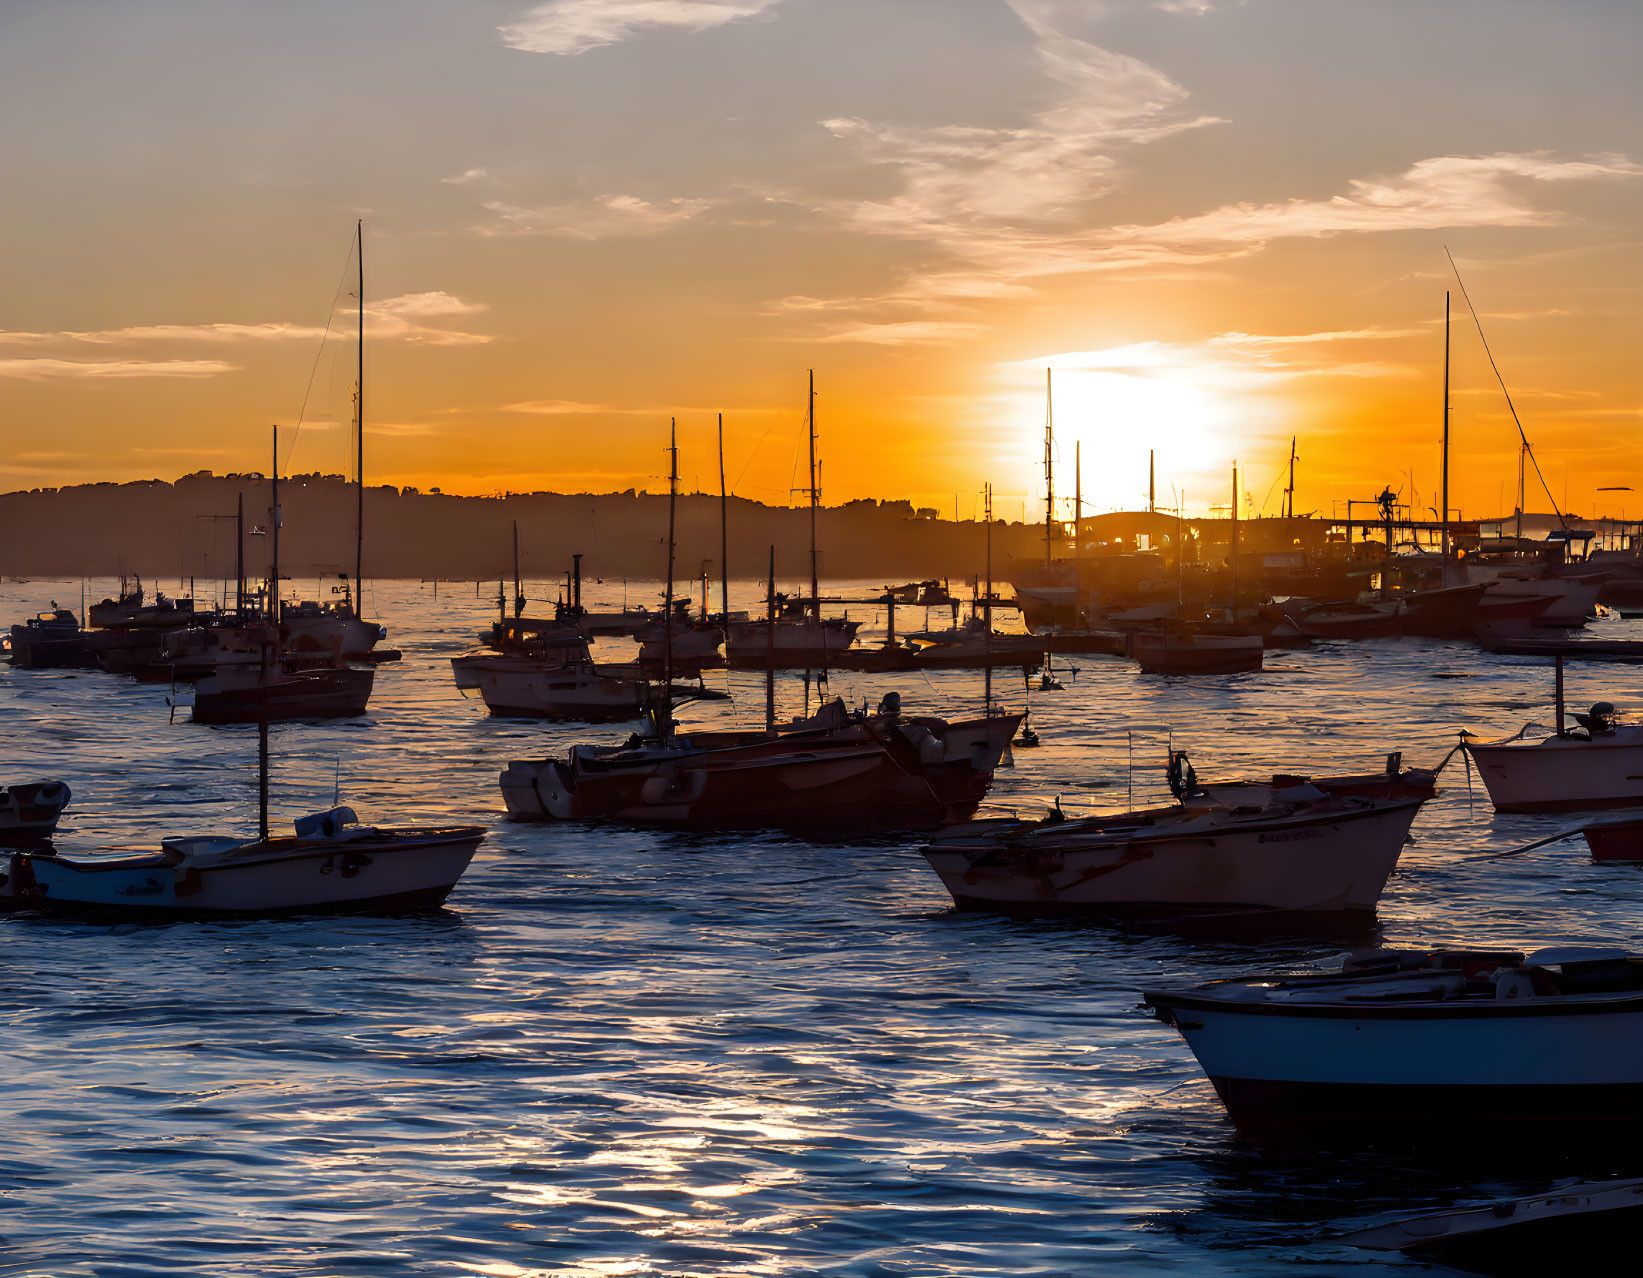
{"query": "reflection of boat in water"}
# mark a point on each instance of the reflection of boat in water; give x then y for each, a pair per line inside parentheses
(843, 772)
(29, 811)
(332, 864)
(1290, 846)
(1491, 1038)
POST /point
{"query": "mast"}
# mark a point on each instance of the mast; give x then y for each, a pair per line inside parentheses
(1522, 452)
(770, 648)
(987, 616)
(518, 598)
(1234, 554)
(269, 640)
(1152, 487)
(815, 588)
(239, 562)
(1290, 491)
(1049, 472)
(724, 536)
(664, 724)
(1078, 497)
(1444, 520)
(274, 545)
(359, 429)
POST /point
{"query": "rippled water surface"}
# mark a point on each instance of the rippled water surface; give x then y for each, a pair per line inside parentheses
(625, 1052)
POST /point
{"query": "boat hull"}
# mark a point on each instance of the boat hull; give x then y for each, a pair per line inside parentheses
(1502, 1062)
(1327, 864)
(233, 696)
(1561, 774)
(330, 877)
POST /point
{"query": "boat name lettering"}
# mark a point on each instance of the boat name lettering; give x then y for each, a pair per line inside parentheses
(1290, 836)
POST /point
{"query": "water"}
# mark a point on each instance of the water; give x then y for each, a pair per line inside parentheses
(626, 1052)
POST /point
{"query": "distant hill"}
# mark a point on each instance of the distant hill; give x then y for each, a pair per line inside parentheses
(186, 528)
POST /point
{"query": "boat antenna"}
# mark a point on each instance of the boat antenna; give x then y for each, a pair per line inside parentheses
(1516, 420)
(1289, 492)
(664, 723)
(1233, 543)
(359, 429)
(724, 535)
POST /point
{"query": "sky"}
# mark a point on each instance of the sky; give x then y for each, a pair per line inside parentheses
(1222, 225)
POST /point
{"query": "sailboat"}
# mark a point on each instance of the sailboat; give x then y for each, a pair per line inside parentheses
(273, 687)
(800, 631)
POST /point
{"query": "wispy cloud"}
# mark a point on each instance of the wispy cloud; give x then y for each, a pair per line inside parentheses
(44, 369)
(403, 318)
(603, 217)
(575, 26)
(466, 178)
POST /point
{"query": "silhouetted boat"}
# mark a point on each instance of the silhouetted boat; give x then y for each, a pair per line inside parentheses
(1349, 621)
(1447, 613)
(51, 641)
(29, 811)
(1434, 1038)
(1185, 650)
(237, 694)
(879, 772)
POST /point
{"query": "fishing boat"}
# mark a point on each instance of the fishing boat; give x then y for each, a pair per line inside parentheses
(1186, 650)
(1573, 598)
(1597, 764)
(576, 691)
(1496, 1038)
(837, 772)
(329, 627)
(50, 641)
(29, 812)
(1446, 613)
(797, 636)
(1518, 1237)
(1222, 850)
(331, 864)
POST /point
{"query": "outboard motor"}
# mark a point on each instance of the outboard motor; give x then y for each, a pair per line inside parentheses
(1599, 719)
(890, 705)
(1183, 780)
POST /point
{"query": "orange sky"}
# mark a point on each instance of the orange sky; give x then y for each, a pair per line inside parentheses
(1223, 224)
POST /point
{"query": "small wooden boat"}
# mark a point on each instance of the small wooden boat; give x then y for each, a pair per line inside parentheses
(1242, 849)
(1435, 1038)
(332, 864)
(1520, 1237)
(1187, 651)
(29, 812)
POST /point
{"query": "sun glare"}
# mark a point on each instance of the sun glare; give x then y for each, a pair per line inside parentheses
(1116, 410)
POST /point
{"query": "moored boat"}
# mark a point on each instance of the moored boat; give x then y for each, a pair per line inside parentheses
(1436, 1037)
(29, 812)
(1290, 847)
(1599, 764)
(241, 694)
(1189, 651)
(332, 864)
(50, 641)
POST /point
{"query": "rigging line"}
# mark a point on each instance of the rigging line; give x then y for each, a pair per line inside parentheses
(320, 354)
(752, 455)
(1508, 394)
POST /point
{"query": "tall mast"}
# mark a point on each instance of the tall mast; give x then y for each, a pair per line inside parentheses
(1522, 454)
(987, 616)
(664, 725)
(1290, 491)
(239, 561)
(1049, 471)
(359, 429)
(274, 546)
(1152, 487)
(1078, 496)
(1444, 498)
(724, 536)
(770, 648)
(815, 588)
(1234, 554)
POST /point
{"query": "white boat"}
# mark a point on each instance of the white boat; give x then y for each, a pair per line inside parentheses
(1597, 765)
(332, 864)
(748, 641)
(577, 691)
(1445, 1036)
(328, 628)
(29, 812)
(1226, 850)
